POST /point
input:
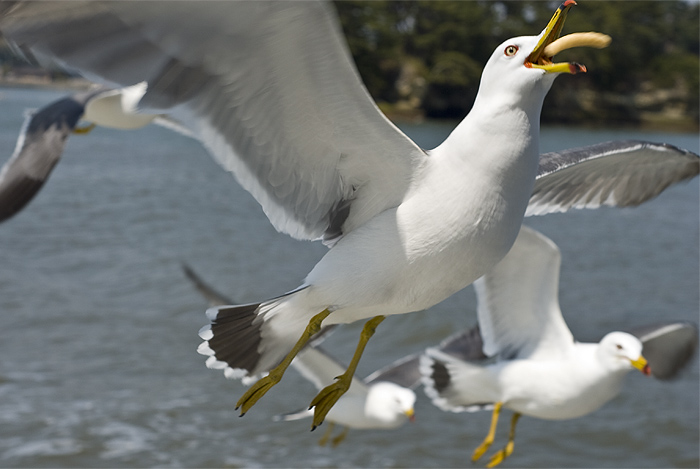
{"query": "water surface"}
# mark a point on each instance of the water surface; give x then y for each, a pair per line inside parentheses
(99, 325)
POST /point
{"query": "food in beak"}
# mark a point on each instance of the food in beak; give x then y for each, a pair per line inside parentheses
(591, 39)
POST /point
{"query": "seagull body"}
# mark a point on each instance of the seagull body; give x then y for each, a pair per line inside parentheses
(44, 133)
(458, 215)
(523, 356)
(270, 89)
(383, 400)
(558, 387)
(369, 404)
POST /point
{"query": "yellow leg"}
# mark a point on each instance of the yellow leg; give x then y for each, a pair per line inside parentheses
(329, 395)
(263, 385)
(488, 441)
(498, 458)
(338, 439)
(327, 435)
(84, 130)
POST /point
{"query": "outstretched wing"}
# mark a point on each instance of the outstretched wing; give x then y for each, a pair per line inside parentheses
(467, 345)
(618, 174)
(39, 147)
(518, 301)
(268, 87)
(668, 347)
(212, 296)
(404, 372)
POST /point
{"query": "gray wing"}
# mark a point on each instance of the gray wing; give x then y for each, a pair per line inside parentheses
(467, 345)
(404, 372)
(668, 347)
(268, 87)
(212, 296)
(619, 174)
(39, 147)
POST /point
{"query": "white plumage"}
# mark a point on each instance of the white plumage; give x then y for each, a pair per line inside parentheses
(523, 356)
(270, 89)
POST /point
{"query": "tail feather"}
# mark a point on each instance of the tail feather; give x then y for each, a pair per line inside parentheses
(232, 340)
(442, 383)
(246, 341)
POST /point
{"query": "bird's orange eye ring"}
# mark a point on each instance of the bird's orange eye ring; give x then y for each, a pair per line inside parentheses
(511, 51)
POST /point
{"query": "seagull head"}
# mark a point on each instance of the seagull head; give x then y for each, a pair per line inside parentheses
(623, 351)
(523, 66)
(389, 402)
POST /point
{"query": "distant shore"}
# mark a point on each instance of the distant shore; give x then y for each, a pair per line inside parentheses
(663, 118)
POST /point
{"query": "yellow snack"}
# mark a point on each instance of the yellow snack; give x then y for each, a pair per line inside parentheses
(592, 39)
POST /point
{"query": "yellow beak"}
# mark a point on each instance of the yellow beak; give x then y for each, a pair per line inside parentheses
(538, 59)
(642, 365)
(411, 415)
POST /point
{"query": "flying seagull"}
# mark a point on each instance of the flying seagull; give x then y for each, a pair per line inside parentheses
(522, 356)
(383, 400)
(272, 92)
(45, 131)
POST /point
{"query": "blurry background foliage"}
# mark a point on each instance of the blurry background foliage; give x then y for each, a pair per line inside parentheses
(424, 58)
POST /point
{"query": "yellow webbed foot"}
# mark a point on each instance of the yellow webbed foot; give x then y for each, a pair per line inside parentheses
(327, 397)
(479, 452)
(326, 435)
(488, 441)
(338, 439)
(498, 458)
(324, 400)
(258, 390)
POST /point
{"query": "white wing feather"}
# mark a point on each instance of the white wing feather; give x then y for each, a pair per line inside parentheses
(518, 301)
(269, 88)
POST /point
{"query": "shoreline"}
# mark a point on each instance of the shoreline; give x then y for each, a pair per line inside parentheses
(658, 122)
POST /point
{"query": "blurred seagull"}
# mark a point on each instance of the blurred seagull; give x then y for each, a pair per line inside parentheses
(383, 400)
(44, 133)
(271, 91)
(522, 356)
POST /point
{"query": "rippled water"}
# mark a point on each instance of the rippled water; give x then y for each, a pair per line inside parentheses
(98, 325)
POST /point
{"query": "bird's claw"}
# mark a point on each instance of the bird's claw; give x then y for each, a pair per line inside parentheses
(325, 399)
(479, 452)
(496, 459)
(255, 392)
(338, 439)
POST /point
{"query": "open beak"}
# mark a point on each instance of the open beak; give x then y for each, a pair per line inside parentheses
(411, 415)
(539, 59)
(642, 365)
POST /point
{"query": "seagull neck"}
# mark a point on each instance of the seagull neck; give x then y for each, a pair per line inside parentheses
(512, 129)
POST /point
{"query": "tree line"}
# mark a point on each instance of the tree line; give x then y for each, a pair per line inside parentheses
(425, 57)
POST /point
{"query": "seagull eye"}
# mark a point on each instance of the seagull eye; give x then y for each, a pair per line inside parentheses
(511, 50)
(619, 347)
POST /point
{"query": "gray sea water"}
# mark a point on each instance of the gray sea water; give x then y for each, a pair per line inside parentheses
(98, 325)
